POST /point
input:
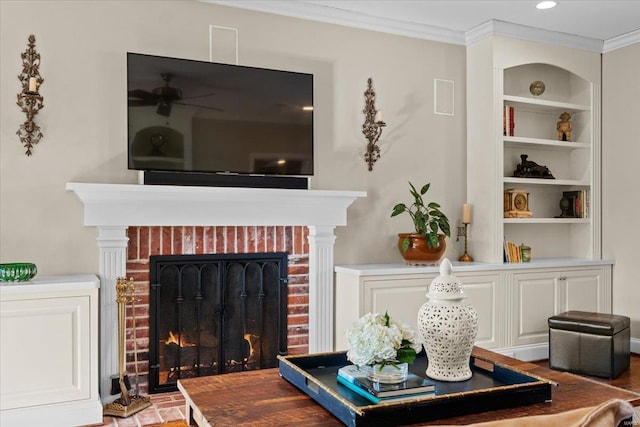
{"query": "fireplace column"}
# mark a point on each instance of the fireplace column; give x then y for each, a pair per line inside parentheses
(321, 242)
(112, 244)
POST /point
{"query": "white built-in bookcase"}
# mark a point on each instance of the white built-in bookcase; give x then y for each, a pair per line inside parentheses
(500, 73)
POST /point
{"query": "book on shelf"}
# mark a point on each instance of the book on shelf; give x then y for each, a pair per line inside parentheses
(508, 121)
(413, 385)
(513, 252)
(579, 200)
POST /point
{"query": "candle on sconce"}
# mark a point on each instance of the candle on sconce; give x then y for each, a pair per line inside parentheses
(466, 213)
(379, 116)
(33, 84)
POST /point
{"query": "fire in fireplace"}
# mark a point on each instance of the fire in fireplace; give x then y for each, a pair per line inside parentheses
(216, 313)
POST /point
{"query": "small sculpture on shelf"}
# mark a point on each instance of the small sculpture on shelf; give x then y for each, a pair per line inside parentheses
(567, 207)
(528, 169)
(564, 127)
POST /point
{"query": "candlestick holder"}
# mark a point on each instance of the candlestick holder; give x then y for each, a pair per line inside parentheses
(372, 127)
(29, 99)
(463, 232)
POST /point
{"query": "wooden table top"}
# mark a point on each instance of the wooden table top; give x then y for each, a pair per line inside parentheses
(263, 398)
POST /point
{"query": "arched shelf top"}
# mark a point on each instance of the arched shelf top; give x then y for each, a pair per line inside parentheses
(557, 85)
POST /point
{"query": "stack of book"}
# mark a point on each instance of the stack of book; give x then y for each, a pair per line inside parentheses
(357, 381)
(578, 203)
(508, 121)
(512, 252)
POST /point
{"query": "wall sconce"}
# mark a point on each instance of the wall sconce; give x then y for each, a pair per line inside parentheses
(463, 231)
(373, 124)
(29, 100)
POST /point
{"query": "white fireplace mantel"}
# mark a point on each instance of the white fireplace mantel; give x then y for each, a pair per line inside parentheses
(113, 207)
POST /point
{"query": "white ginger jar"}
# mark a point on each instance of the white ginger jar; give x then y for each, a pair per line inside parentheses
(448, 327)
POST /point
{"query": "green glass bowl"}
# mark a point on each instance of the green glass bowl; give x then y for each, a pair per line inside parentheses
(17, 272)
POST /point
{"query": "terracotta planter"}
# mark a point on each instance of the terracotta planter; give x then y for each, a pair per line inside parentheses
(419, 251)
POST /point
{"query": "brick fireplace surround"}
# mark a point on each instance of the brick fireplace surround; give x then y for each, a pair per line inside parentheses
(185, 240)
(128, 216)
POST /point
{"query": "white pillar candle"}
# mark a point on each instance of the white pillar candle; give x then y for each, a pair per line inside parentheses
(379, 116)
(33, 87)
(466, 213)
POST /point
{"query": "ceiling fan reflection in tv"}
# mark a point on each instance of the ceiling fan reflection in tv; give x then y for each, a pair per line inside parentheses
(164, 97)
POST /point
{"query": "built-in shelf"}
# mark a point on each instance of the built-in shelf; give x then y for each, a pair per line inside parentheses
(541, 181)
(546, 220)
(547, 144)
(505, 72)
(531, 104)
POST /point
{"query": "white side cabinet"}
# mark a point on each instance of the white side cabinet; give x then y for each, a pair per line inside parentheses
(538, 295)
(49, 352)
(513, 301)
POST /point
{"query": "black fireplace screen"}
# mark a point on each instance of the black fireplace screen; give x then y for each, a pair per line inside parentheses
(214, 314)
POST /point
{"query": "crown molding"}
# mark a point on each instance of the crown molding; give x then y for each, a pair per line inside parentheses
(332, 15)
(621, 41)
(523, 32)
(342, 17)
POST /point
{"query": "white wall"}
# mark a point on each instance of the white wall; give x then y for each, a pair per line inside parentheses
(620, 155)
(83, 46)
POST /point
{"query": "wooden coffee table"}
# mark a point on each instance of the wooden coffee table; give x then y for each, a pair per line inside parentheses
(262, 397)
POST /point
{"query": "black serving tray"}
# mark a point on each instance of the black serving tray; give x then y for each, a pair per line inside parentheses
(491, 387)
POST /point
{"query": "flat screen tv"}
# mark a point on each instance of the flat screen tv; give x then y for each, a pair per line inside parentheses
(196, 116)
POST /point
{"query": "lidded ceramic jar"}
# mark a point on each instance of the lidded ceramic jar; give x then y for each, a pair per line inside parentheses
(448, 326)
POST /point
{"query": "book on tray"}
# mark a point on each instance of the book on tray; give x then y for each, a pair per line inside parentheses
(356, 379)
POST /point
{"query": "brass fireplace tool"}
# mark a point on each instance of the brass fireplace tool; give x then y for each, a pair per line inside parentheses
(127, 404)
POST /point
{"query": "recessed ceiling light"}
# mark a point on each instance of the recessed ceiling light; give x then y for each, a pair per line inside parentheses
(546, 5)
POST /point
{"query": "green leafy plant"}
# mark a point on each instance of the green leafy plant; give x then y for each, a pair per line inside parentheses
(428, 219)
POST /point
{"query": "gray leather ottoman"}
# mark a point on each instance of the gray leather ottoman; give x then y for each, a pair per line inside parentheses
(589, 343)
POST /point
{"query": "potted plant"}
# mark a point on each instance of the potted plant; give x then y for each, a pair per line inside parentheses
(427, 244)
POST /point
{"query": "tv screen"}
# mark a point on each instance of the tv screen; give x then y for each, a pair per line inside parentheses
(196, 116)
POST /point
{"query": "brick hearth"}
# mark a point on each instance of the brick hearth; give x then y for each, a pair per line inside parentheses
(184, 240)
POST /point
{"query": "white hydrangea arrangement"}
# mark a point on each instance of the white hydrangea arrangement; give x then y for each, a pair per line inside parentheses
(377, 339)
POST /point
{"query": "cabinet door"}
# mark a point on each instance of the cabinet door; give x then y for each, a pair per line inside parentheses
(586, 290)
(535, 299)
(400, 297)
(485, 293)
(45, 351)
(540, 295)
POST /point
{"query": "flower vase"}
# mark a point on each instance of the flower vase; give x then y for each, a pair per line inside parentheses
(388, 373)
(448, 326)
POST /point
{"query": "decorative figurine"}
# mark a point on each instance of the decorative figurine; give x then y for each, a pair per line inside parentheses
(528, 169)
(564, 127)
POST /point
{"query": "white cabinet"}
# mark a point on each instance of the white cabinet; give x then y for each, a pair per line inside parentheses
(513, 301)
(538, 295)
(500, 72)
(399, 295)
(486, 293)
(49, 352)
(402, 292)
